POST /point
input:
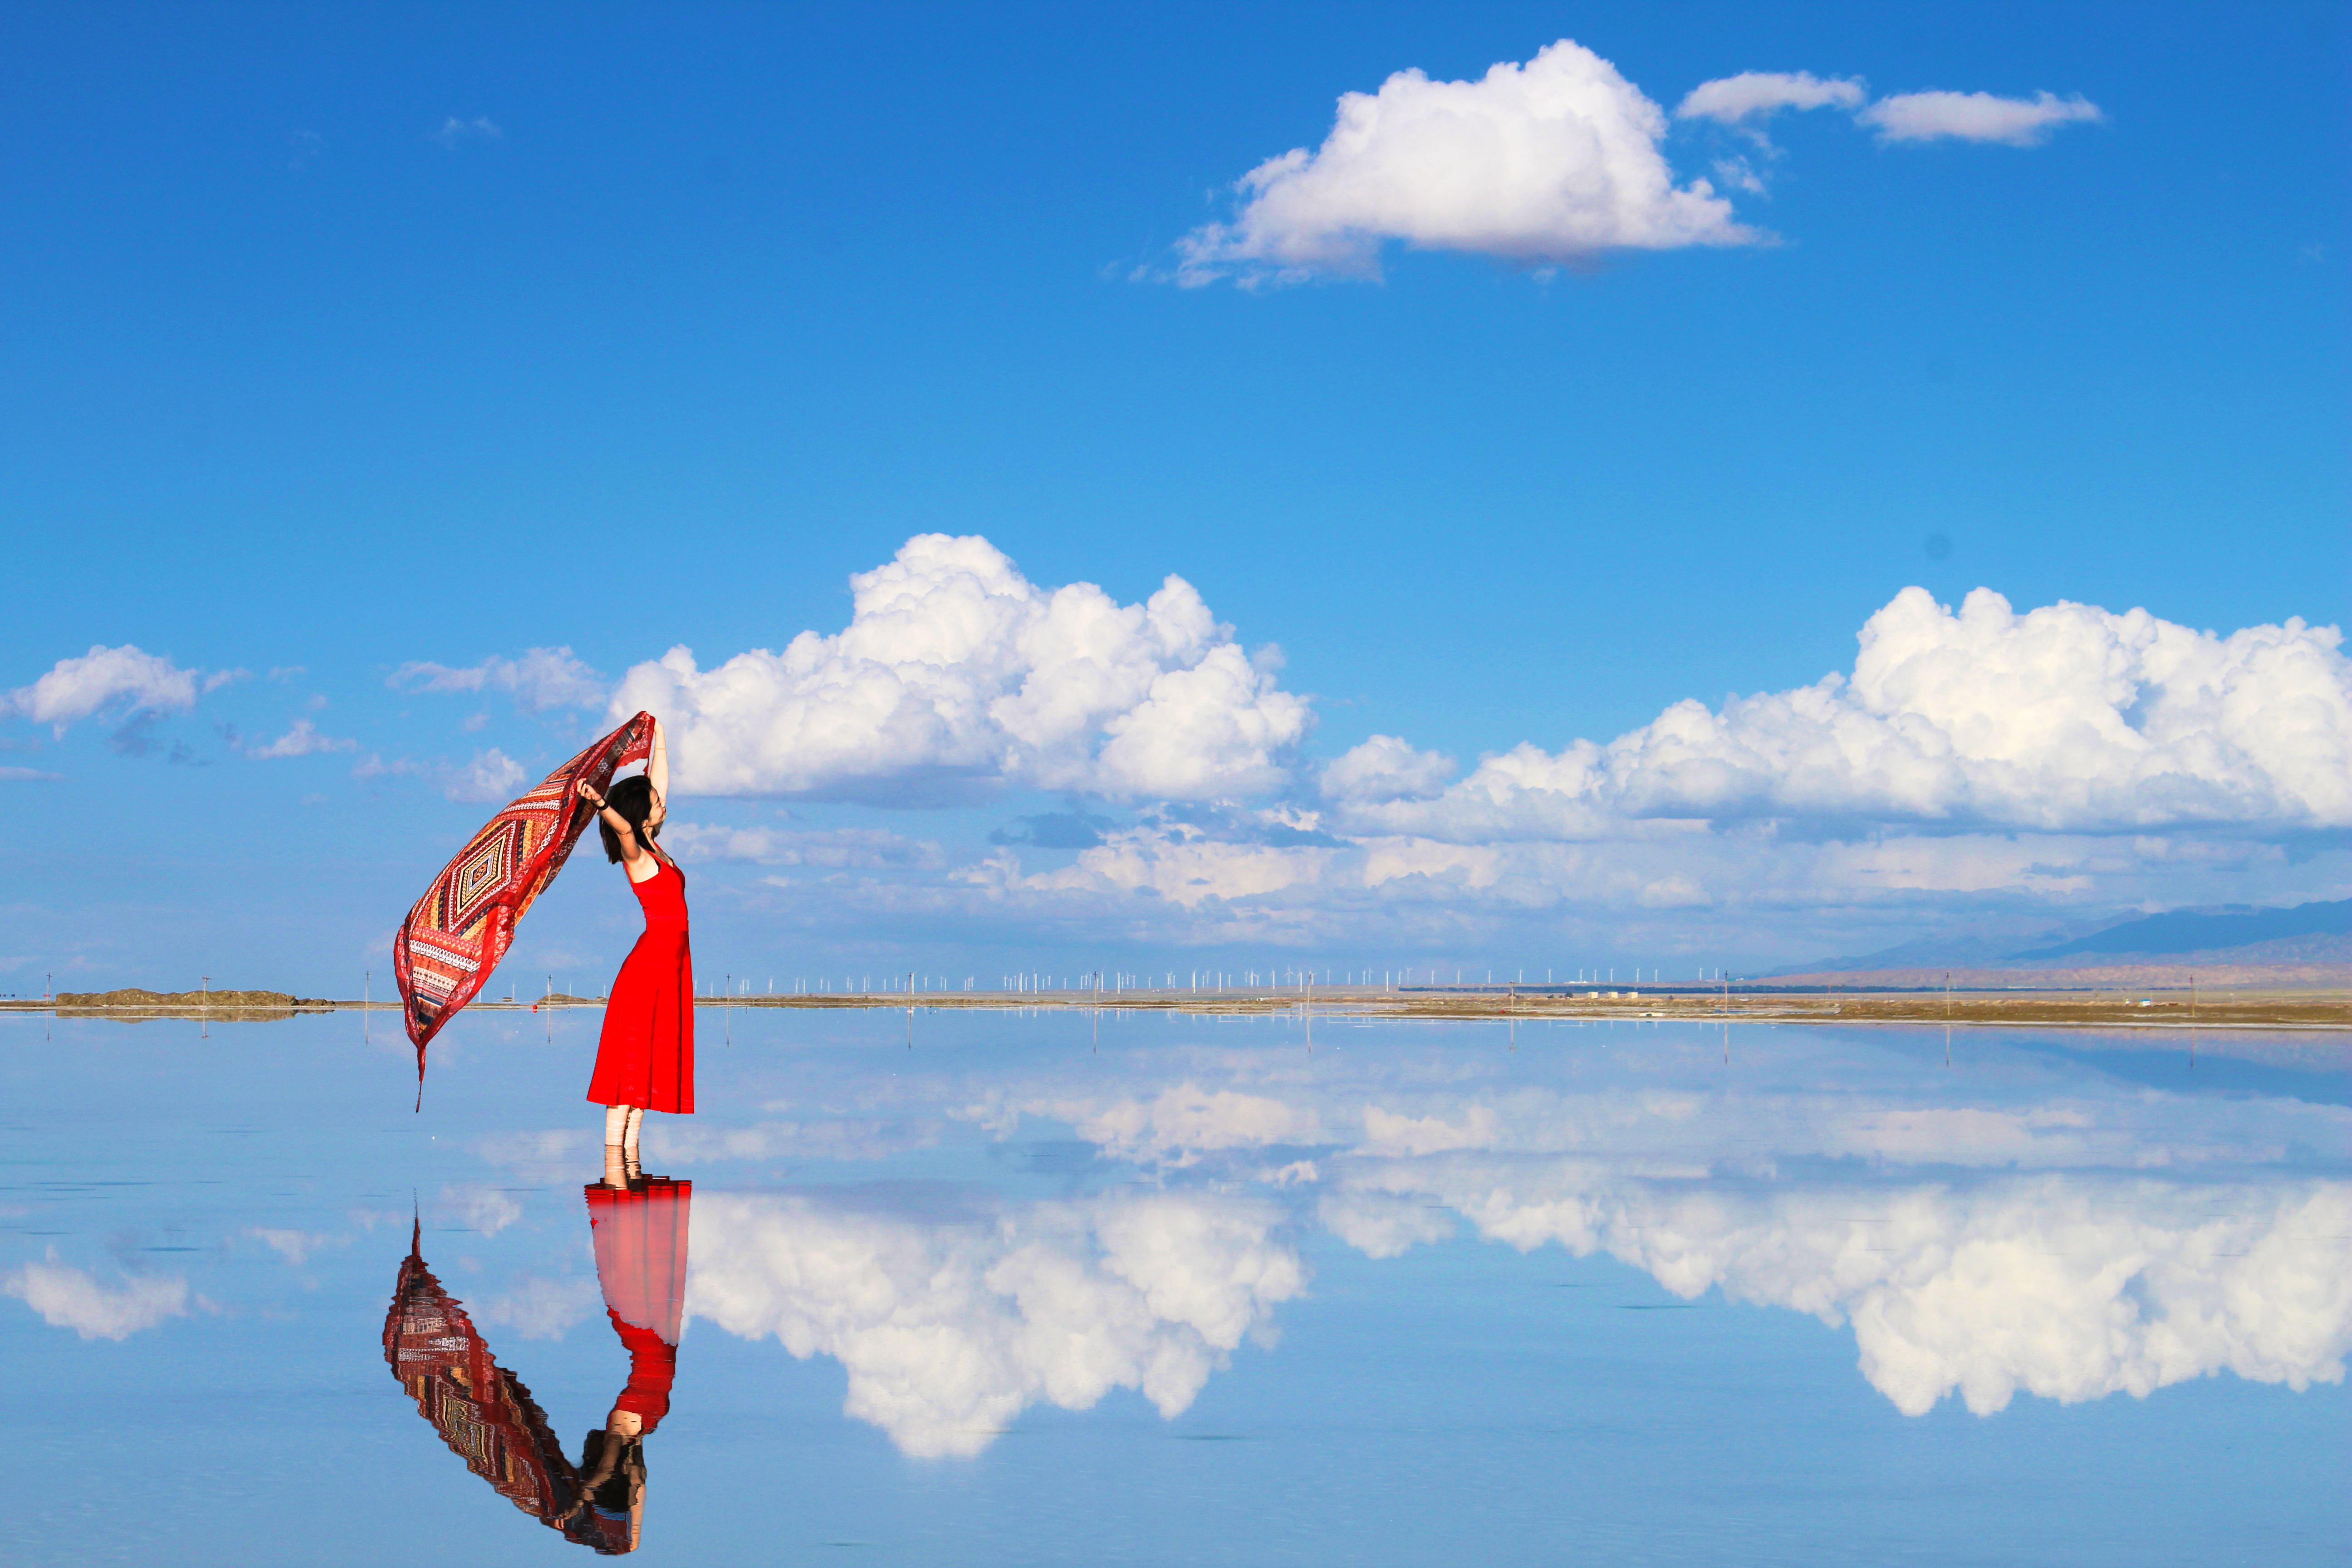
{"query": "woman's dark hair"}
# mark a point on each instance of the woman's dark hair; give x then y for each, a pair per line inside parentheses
(632, 797)
(609, 1493)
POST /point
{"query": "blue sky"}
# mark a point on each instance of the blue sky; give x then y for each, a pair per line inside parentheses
(339, 343)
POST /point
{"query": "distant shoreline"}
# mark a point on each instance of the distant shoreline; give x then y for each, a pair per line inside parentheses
(2109, 1007)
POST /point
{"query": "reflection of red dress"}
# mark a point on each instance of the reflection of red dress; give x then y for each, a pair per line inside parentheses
(645, 1055)
(641, 1264)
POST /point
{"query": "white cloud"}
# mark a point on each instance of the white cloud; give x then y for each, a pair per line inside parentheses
(1386, 768)
(125, 678)
(70, 1298)
(539, 1308)
(1757, 95)
(1550, 161)
(294, 1245)
(948, 1329)
(304, 741)
(543, 678)
(956, 670)
(2068, 1287)
(1976, 117)
(1990, 1240)
(837, 849)
(1183, 1121)
(1383, 1225)
(484, 1209)
(490, 776)
(2065, 719)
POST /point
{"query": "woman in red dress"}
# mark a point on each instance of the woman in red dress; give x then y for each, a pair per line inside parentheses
(645, 1058)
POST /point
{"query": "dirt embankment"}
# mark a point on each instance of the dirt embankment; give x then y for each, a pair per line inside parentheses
(133, 1003)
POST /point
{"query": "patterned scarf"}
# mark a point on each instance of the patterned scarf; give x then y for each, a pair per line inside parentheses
(445, 951)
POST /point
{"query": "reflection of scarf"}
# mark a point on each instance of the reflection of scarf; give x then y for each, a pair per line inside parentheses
(481, 1410)
(445, 951)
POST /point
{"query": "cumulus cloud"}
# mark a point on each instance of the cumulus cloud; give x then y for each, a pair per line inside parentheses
(1976, 117)
(125, 679)
(2067, 718)
(950, 1329)
(2071, 1288)
(1756, 95)
(2035, 1259)
(1551, 161)
(956, 671)
(70, 1298)
(1973, 752)
(543, 679)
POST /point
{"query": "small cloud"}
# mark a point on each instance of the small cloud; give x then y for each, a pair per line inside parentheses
(303, 741)
(27, 773)
(1976, 117)
(861, 848)
(294, 1245)
(287, 671)
(489, 775)
(1753, 96)
(125, 679)
(479, 1208)
(541, 1309)
(543, 678)
(1053, 830)
(70, 1298)
(492, 775)
(480, 128)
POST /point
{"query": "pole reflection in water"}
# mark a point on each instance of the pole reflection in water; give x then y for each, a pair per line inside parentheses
(488, 1419)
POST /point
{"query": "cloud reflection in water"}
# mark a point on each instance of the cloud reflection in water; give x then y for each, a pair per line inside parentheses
(947, 1331)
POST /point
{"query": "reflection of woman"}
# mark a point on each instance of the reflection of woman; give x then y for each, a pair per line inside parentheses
(640, 1233)
(490, 1419)
(645, 1057)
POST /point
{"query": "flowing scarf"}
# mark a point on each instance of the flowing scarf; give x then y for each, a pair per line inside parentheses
(445, 951)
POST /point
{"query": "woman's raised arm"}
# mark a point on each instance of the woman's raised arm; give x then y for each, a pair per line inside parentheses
(658, 766)
(631, 850)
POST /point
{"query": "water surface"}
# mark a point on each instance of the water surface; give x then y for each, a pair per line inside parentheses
(1138, 1288)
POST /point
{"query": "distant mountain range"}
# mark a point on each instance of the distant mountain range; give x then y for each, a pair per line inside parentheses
(2307, 934)
(2182, 931)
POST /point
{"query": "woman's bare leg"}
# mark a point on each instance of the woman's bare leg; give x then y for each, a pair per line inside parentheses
(629, 1141)
(617, 1149)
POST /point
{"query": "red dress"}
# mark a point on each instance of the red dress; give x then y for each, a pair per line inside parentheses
(645, 1055)
(641, 1265)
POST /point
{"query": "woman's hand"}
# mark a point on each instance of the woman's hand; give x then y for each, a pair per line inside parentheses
(592, 797)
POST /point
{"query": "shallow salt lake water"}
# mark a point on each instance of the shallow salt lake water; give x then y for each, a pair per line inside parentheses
(1152, 1290)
